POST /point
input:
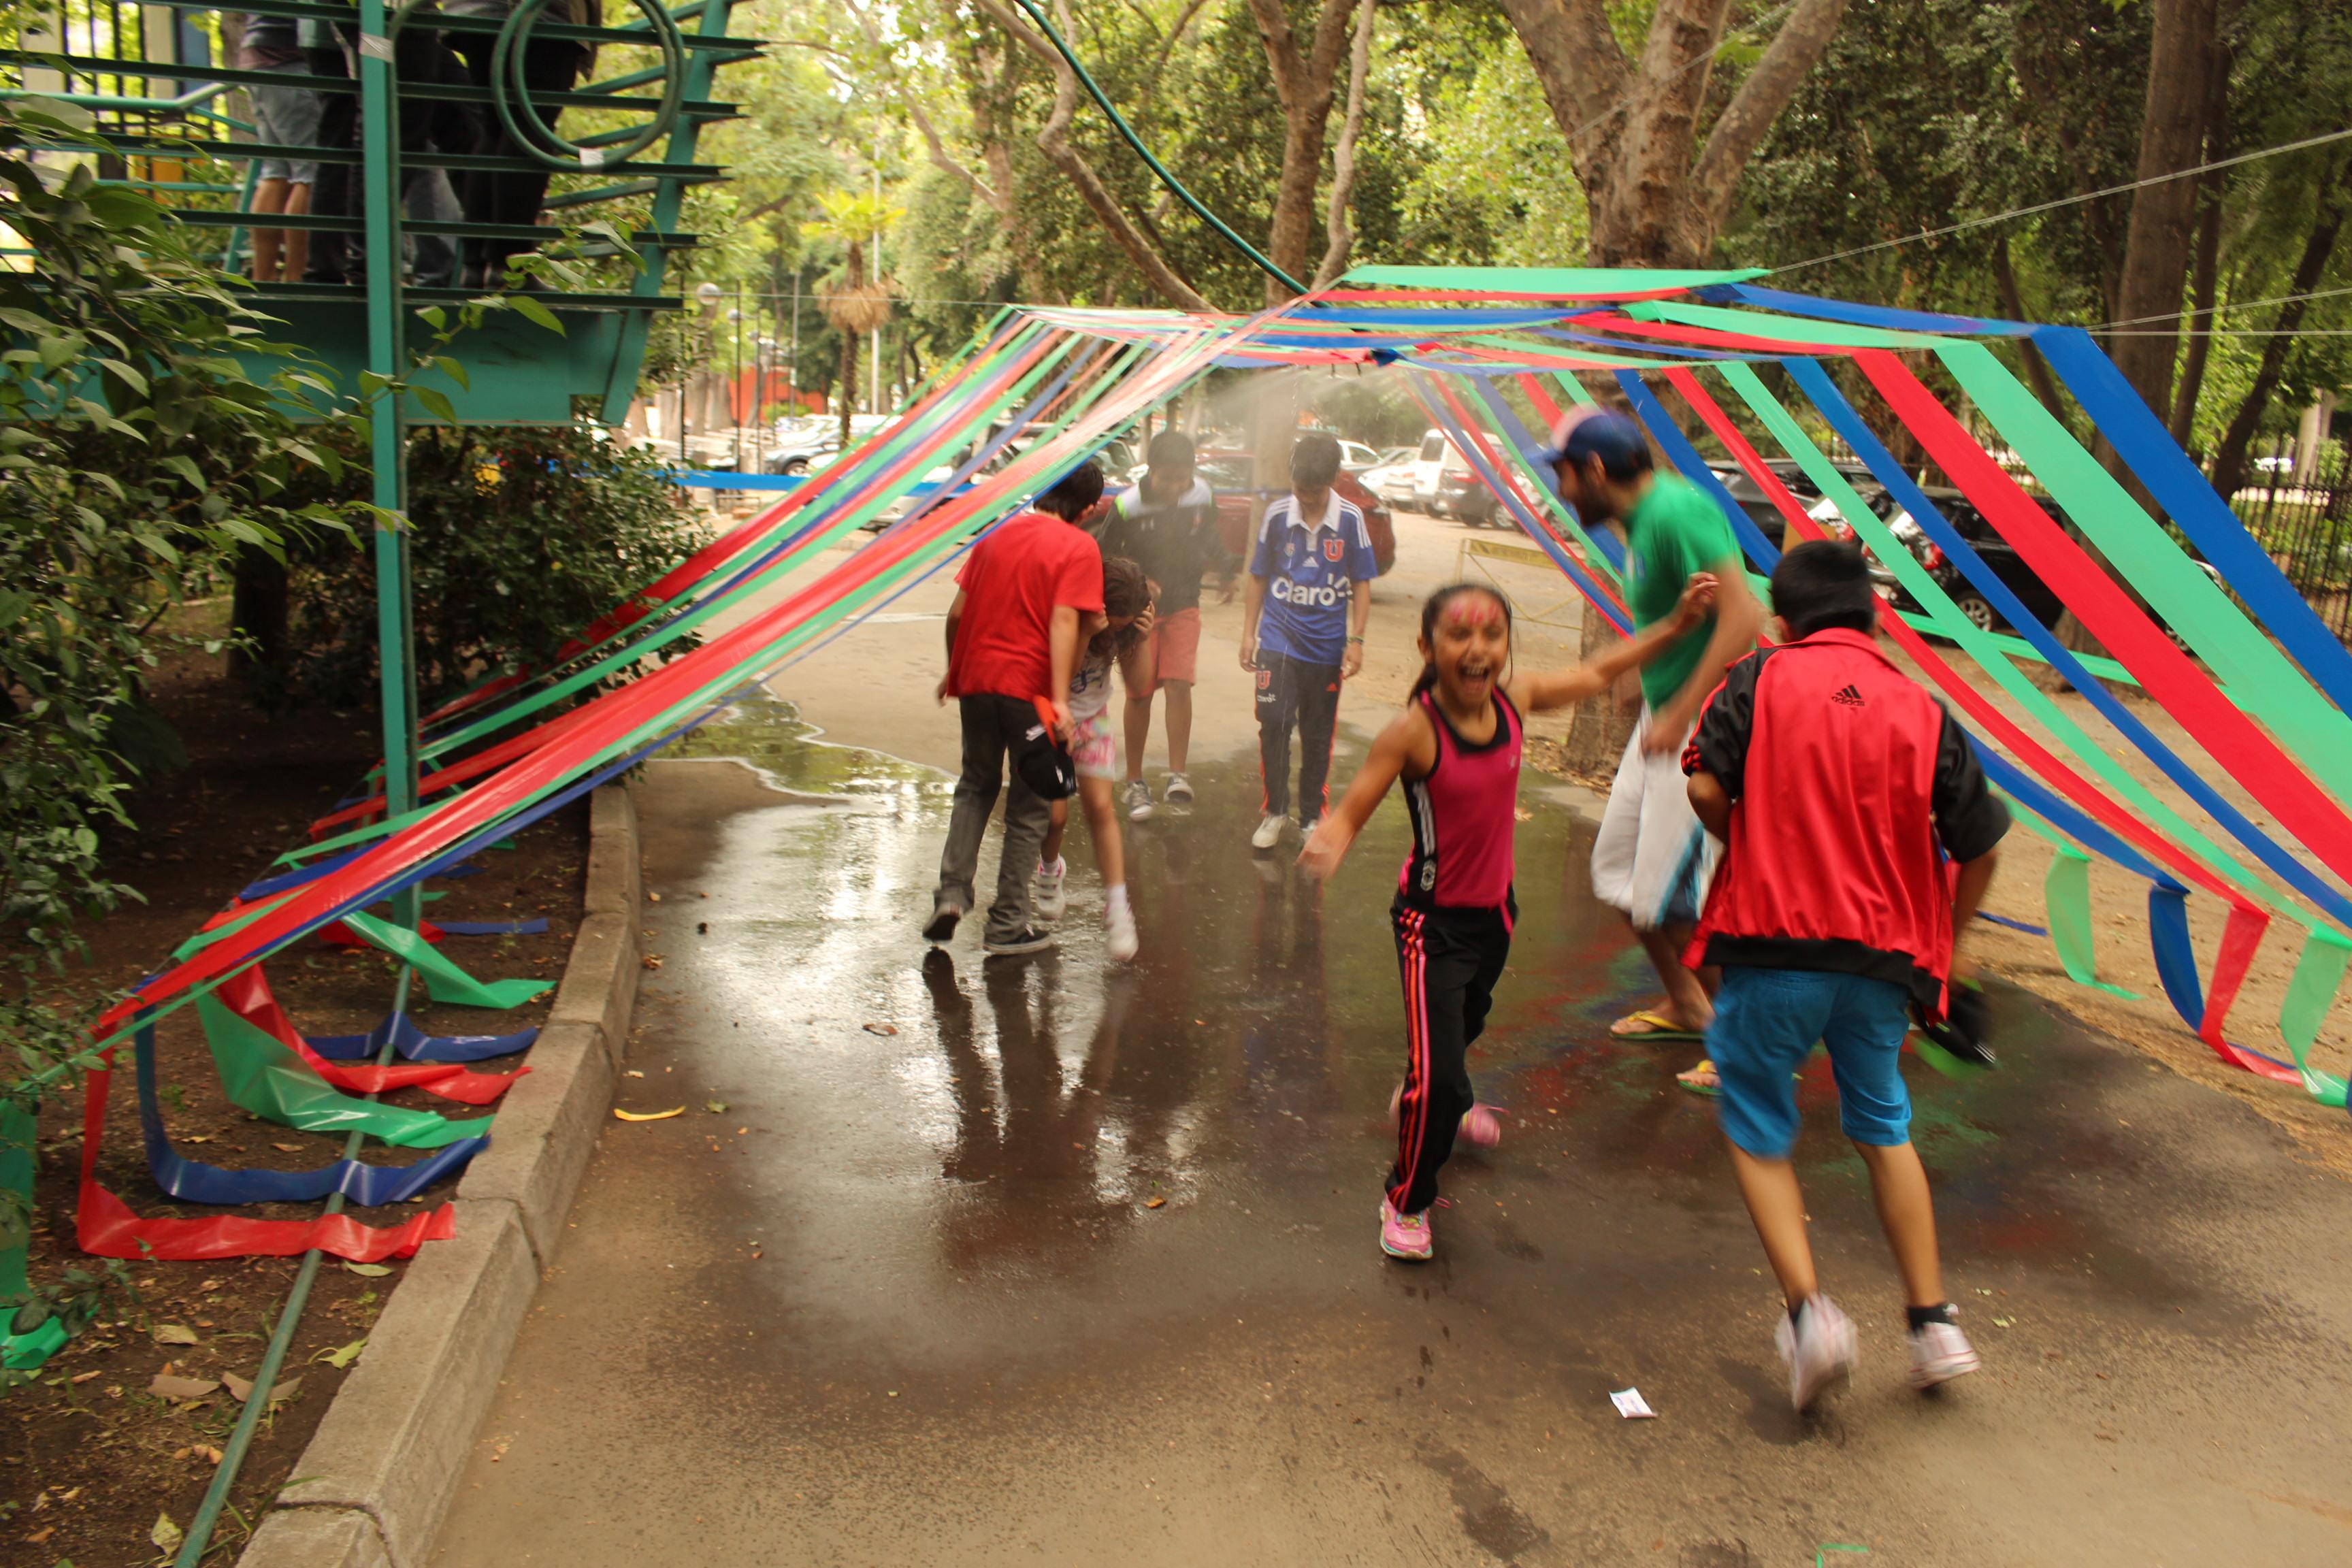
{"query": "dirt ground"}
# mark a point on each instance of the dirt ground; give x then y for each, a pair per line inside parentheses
(89, 1456)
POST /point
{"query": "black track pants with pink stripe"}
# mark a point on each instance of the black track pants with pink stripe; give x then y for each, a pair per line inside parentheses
(1450, 960)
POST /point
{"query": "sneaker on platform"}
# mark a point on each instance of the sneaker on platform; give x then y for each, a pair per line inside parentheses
(1483, 1125)
(1941, 1353)
(1405, 1236)
(1269, 832)
(1119, 930)
(1047, 890)
(1138, 801)
(1819, 1346)
(1179, 790)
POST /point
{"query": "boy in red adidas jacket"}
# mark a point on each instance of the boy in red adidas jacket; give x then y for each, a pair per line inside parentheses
(1838, 787)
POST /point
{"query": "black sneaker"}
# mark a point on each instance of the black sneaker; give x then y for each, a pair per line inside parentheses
(1028, 939)
(942, 923)
(1961, 1033)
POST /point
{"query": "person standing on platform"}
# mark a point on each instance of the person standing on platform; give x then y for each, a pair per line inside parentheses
(1651, 859)
(1167, 524)
(1013, 646)
(1303, 617)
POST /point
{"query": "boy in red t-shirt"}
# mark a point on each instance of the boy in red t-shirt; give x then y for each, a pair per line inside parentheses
(1859, 838)
(1012, 639)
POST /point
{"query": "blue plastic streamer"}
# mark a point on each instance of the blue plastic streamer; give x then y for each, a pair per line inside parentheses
(2288, 867)
(493, 928)
(193, 1182)
(412, 1044)
(1691, 466)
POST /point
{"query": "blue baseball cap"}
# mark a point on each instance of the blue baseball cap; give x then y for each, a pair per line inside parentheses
(1615, 438)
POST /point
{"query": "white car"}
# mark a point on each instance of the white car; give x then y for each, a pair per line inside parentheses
(1392, 479)
(1445, 484)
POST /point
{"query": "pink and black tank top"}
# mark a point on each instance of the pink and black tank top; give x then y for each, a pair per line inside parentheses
(1464, 817)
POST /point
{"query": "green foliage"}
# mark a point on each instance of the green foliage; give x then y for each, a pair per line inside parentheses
(521, 537)
(134, 455)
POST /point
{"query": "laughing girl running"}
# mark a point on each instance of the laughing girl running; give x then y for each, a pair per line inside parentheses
(1456, 746)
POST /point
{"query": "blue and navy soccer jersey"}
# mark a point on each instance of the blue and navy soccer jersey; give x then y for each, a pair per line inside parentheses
(1310, 578)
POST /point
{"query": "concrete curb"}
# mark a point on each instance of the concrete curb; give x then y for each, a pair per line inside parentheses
(382, 1467)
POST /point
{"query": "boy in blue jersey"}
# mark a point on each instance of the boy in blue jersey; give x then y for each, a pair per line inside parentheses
(1303, 616)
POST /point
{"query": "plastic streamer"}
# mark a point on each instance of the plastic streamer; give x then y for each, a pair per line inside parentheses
(504, 755)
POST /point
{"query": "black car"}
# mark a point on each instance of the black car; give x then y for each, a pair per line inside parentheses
(1758, 506)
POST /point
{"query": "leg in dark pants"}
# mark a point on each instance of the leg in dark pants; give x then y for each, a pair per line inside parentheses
(975, 801)
(1277, 711)
(1027, 819)
(1317, 704)
(1450, 961)
(549, 65)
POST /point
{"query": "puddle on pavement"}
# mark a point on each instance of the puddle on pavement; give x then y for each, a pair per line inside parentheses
(1254, 1043)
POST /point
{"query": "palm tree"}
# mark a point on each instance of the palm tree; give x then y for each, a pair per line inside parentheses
(855, 303)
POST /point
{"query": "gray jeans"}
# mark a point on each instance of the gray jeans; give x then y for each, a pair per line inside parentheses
(991, 724)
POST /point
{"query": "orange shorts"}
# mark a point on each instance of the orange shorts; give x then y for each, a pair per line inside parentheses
(1171, 653)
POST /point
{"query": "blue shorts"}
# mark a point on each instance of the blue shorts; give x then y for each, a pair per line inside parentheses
(1766, 1020)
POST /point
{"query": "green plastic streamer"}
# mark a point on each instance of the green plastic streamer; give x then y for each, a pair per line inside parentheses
(261, 1074)
(20, 1352)
(2309, 994)
(443, 979)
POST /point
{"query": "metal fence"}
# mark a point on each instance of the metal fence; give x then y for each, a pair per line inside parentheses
(2306, 526)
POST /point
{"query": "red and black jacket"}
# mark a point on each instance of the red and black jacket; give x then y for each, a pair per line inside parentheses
(1849, 784)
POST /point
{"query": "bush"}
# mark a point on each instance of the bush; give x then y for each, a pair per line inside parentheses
(135, 453)
(520, 536)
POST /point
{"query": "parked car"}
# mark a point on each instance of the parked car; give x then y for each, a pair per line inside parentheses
(1446, 485)
(1392, 477)
(2000, 556)
(1767, 516)
(1355, 458)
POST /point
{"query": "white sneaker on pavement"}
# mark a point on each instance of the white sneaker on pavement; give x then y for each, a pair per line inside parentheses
(1178, 789)
(1048, 890)
(1119, 928)
(1819, 1346)
(1941, 1353)
(1269, 832)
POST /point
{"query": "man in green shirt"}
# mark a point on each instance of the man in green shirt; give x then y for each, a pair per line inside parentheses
(1651, 859)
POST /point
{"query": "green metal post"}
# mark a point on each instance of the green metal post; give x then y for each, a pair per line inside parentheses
(700, 68)
(387, 444)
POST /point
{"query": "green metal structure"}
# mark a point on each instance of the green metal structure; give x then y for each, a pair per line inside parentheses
(160, 101)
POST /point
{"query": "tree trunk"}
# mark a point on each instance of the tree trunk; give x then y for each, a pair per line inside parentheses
(2230, 460)
(2173, 125)
(2206, 280)
(1656, 197)
(2012, 300)
(258, 603)
(1338, 239)
(1305, 86)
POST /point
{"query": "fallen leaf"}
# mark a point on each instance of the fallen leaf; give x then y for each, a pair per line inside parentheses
(165, 1535)
(177, 1389)
(35, 1539)
(653, 898)
(369, 1270)
(81, 1377)
(631, 1072)
(653, 961)
(343, 1357)
(209, 1285)
(2002, 1322)
(206, 1452)
(1157, 1204)
(175, 1334)
(279, 1391)
(648, 1115)
(881, 1028)
(716, 1107)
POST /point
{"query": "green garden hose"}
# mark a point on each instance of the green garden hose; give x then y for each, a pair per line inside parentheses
(521, 117)
(1175, 185)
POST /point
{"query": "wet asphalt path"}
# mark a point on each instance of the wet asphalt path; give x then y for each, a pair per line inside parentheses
(1038, 1262)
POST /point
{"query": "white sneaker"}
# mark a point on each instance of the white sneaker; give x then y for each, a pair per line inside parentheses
(1047, 891)
(1818, 1347)
(1941, 1353)
(1118, 928)
(1178, 789)
(1269, 833)
(1138, 800)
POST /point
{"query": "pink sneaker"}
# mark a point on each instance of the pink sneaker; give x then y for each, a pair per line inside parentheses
(1483, 1125)
(1405, 1236)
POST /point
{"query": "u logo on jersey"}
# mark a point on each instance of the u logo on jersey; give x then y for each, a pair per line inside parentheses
(1333, 549)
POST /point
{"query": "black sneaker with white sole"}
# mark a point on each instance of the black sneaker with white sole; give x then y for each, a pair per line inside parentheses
(1028, 939)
